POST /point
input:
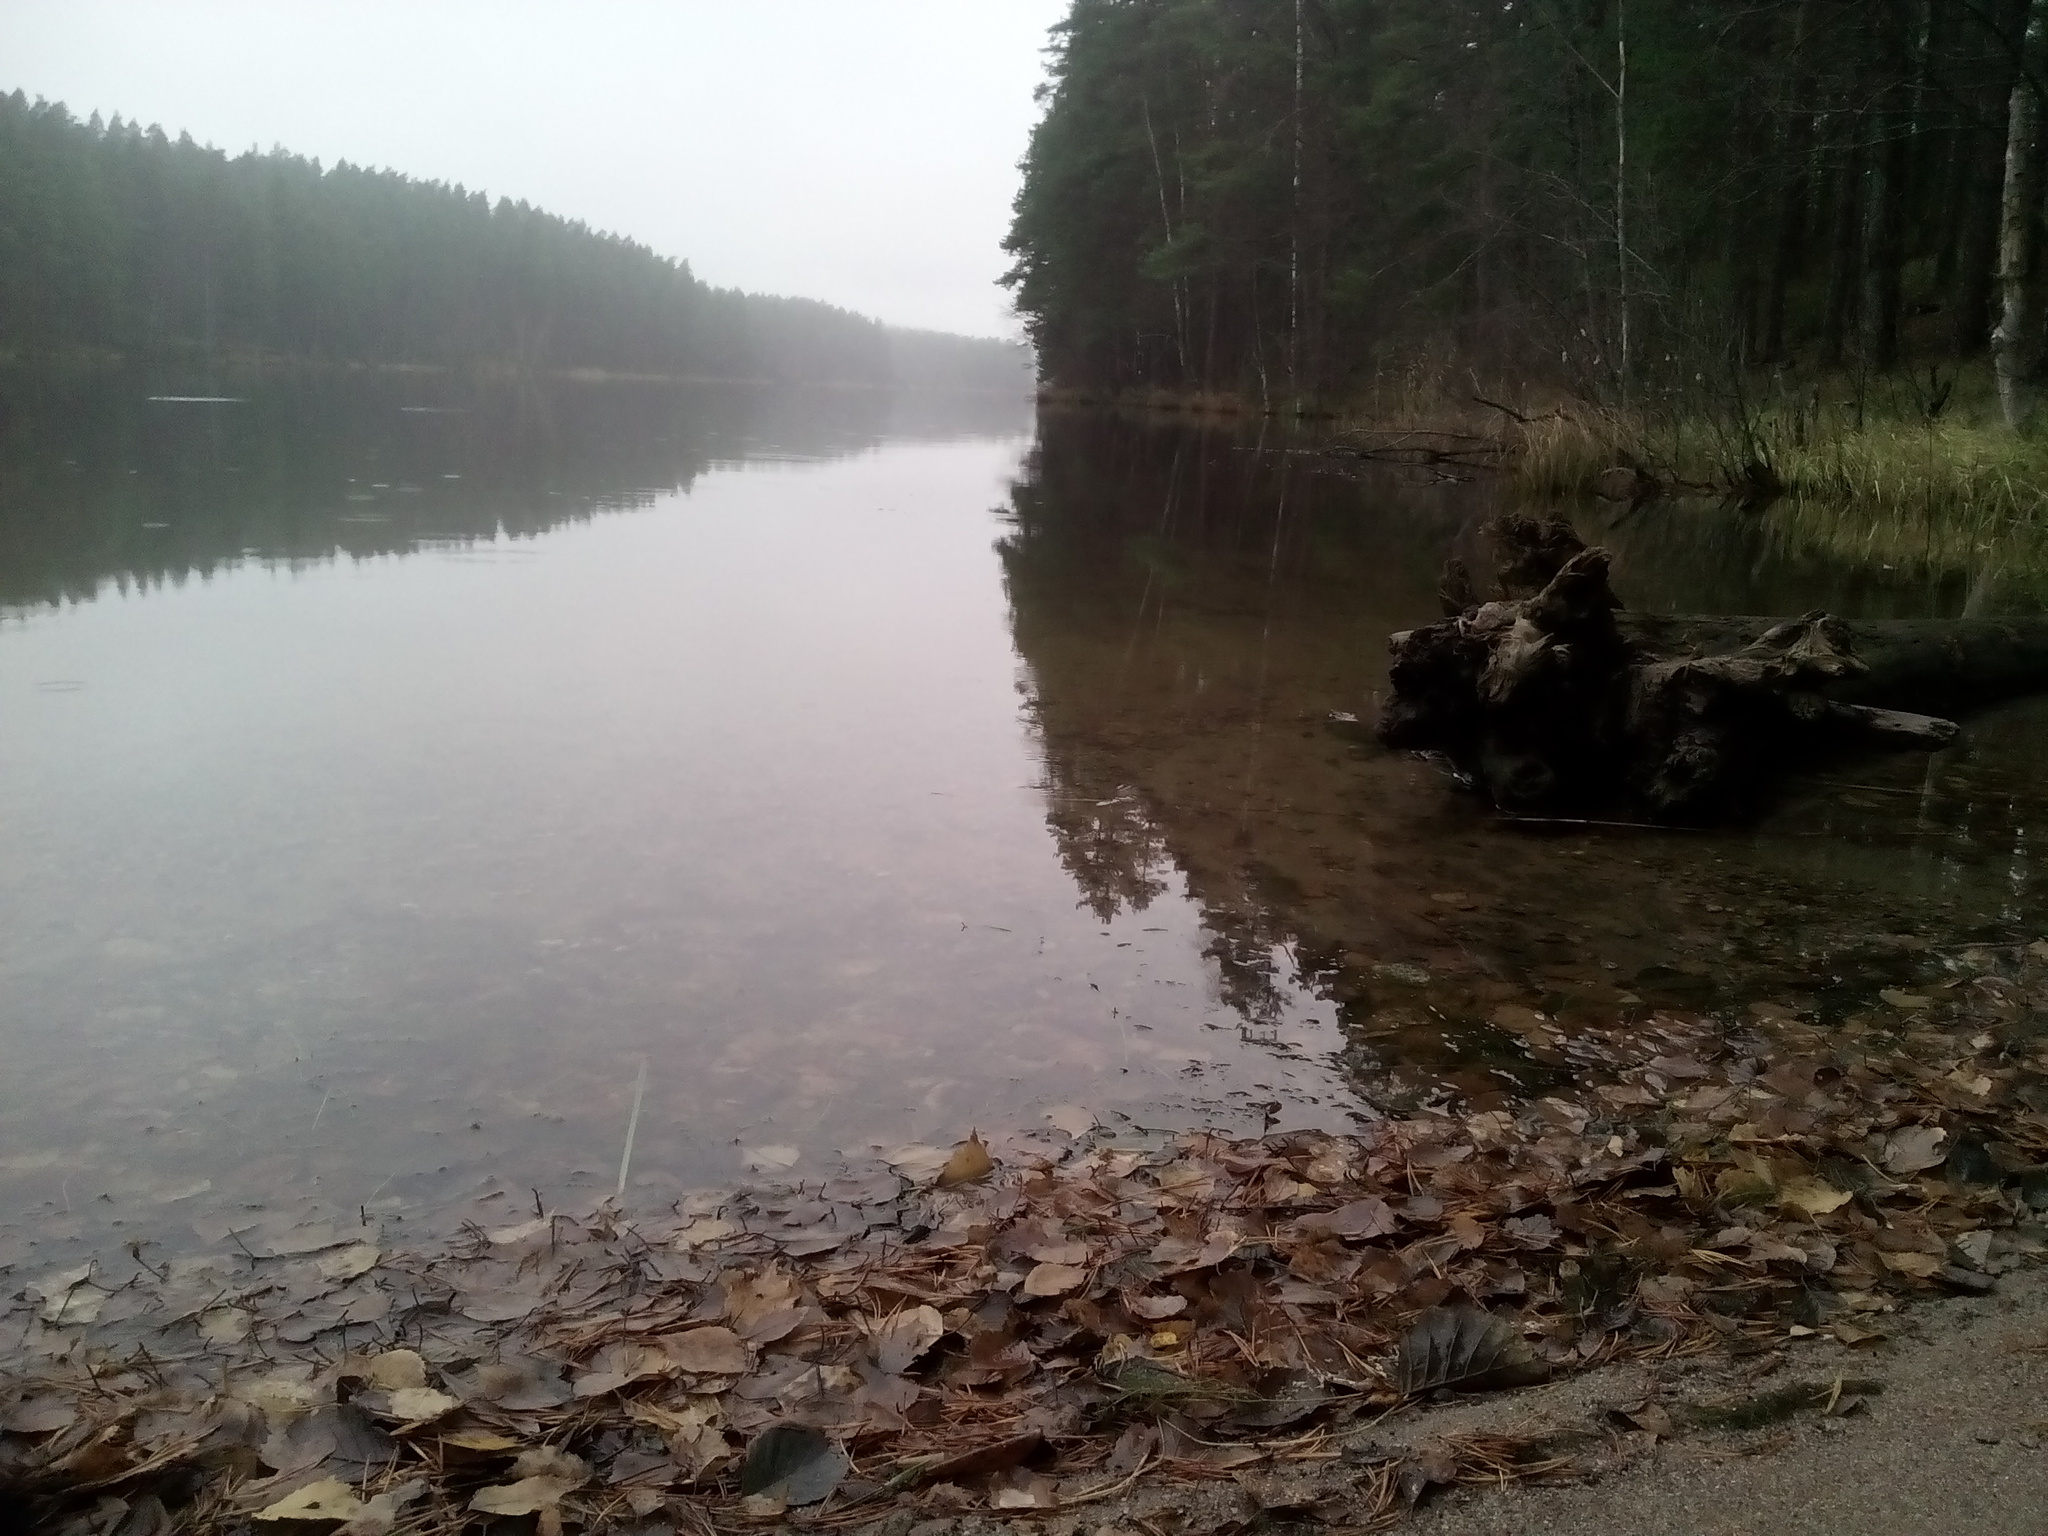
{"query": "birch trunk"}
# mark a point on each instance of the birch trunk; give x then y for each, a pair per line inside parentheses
(2016, 344)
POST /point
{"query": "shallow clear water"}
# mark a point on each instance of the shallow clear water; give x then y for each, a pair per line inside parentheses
(390, 770)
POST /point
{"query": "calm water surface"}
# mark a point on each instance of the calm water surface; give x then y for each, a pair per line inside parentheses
(388, 773)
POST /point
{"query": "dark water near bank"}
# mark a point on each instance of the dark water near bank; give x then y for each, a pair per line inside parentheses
(390, 769)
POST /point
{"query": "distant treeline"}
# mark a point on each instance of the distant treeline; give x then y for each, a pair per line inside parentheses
(1291, 197)
(119, 239)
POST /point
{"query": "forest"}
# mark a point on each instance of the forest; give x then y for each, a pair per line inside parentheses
(118, 240)
(1300, 200)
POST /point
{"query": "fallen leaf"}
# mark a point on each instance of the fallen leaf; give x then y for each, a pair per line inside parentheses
(506, 1236)
(903, 1338)
(379, 1515)
(357, 1259)
(422, 1405)
(917, 1161)
(224, 1325)
(705, 1229)
(712, 1351)
(40, 1415)
(520, 1385)
(396, 1369)
(1054, 1279)
(1371, 1217)
(328, 1499)
(621, 1364)
(1914, 1148)
(1155, 1309)
(1072, 1119)
(1906, 1000)
(67, 1298)
(793, 1463)
(1811, 1196)
(528, 1496)
(771, 1159)
(1059, 1253)
(1466, 1348)
(970, 1161)
(1921, 1266)
(483, 1441)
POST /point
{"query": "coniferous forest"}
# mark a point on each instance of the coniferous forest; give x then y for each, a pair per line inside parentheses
(1286, 199)
(120, 240)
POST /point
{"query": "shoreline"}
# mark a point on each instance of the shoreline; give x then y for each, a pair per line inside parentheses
(1059, 1330)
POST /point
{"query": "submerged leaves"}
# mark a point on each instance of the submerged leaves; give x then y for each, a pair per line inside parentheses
(988, 1333)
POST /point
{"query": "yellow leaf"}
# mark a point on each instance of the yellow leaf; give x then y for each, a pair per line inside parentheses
(1812, 1196)
(970, 1161)
(1919, 1265)
(328, 1499)
(398, 1368)
(421, 1405)
(528, 1496)
(480, 1440)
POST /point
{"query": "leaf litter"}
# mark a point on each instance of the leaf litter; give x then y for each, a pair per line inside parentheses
(1037, 1331)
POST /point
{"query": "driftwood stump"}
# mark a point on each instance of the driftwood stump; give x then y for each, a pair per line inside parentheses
(1550, 697)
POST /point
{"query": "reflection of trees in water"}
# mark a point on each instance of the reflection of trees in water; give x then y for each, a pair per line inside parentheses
(1188, 611)
(1172, 592)
(1110, 847)
(99, 484)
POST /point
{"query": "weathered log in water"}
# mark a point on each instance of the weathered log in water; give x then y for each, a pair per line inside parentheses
(1550, 697)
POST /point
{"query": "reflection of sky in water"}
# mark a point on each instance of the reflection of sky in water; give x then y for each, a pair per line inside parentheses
(374, 881)
(351, 879)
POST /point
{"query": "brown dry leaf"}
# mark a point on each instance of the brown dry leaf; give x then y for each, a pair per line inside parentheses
(349, 1262)
(621, 1364)
(970, 1161)
(901, 1340)
(515, 1383)
(328, 1499)
(712, 1351)
(1059, 1253)
(704, 1230)
(1155, 1309)
(1906, 1000)
(1649, 1418)
(1466, 1348)
(1054, 1279)
(40, 1415)
(1914, 1148)
(506, 1236)
(1371, 1217)
(528, 1496)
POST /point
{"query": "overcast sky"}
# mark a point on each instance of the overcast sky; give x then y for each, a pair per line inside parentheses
(858, 151)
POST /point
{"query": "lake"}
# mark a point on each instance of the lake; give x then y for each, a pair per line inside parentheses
(400, 777)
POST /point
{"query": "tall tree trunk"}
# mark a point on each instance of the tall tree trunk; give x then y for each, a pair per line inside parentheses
(1884, 206)
(1842, 245)
(1977, 244)
(2016, 344)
